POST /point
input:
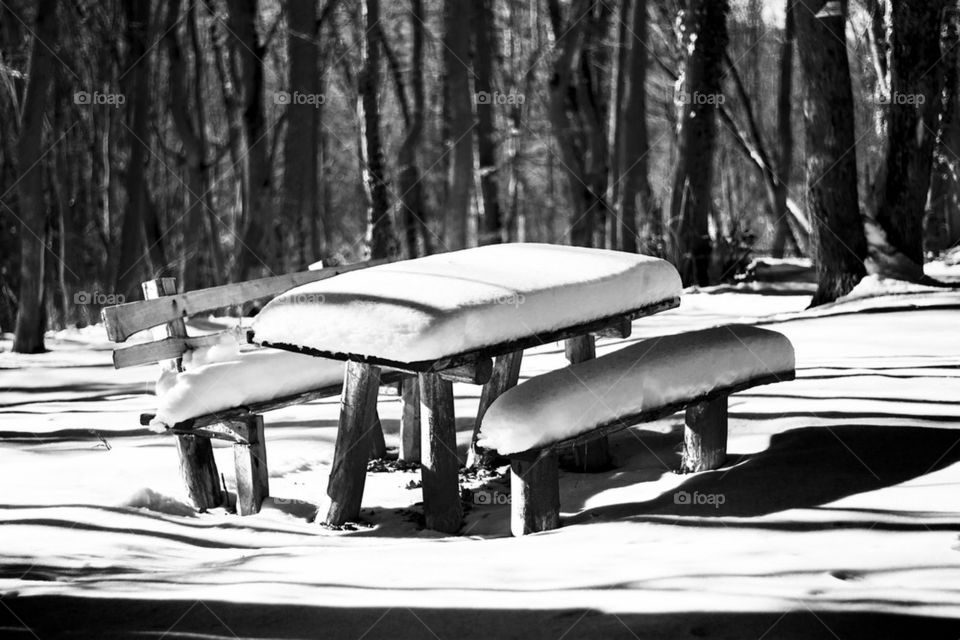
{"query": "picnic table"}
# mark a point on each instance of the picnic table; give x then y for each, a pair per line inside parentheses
(461, 316)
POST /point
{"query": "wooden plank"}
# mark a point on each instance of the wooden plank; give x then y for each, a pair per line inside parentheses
(124, 320)
(410, 420)
(164, 349)
(250, 460)
(705, 435)
(349, 471)
(506, 373)
(593, 456)
(534, 494)
(620, 328)
(198, 468)
(477, 372)
(387, 377)
(471, 357)
(439, 465)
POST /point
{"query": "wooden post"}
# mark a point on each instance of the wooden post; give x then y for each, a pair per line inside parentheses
(349, 471)
(410, 420)
(506, 372)
(197, 465)
(439, 464)
(378, 444)
(594, 455)
(250, 460)
(534, 494)
(705, 436)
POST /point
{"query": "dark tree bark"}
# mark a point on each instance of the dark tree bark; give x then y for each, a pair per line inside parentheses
(28, 333)
(784, 134)
(300, 193)
(831, 164)
(380, 239)
(704, 40)
(637, 200)
(413, 214)
(943, 220)
(247, 53)
(459, 115)
(492, 229)
(903, 181)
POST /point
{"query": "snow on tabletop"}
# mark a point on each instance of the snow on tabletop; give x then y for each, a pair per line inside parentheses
(220, 377)
(642, 377)
(448, 303)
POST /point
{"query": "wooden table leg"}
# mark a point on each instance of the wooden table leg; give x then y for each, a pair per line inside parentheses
(410, 420)
(358, 418)
(595, 455)
(506, 372)
(439, 464)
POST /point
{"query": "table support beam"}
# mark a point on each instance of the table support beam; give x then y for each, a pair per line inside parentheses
(506, 373)
(439, 464)
(595, 455)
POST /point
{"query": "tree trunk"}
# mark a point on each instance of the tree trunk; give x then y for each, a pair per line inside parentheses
(492, 228)
(28, 334)
(300, 192)
(637, 197)
(380, 240)
(903, 182)
(131, 266)
(785, 135)
(831, 164)
(943, 225)
(705, 40)
(456, 57)
(248, 54)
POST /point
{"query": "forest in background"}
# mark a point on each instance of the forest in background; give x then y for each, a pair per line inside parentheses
(222, 140)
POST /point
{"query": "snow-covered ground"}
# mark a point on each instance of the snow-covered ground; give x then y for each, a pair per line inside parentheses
(837, 516)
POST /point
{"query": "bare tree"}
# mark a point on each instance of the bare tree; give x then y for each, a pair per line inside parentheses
(458, 119)
(492, 227)
(943, 226)
(784, 134)
(704, 41)
(831, 165)
(28, 334)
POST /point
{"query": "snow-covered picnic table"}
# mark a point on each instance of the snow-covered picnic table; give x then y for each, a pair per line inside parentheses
(446, 317)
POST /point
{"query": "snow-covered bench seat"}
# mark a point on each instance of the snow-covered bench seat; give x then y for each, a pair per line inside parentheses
(640, 383)
(208, 388)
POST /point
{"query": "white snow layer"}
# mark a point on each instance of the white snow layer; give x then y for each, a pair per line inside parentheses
(642, 377)
(220, 377)
(448, 303)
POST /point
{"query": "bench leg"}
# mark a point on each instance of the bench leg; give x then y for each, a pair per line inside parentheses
(250, 460)
(595, 455)
(439, 465)
(705, 436)
(410, 420)
(199, 471)
(534, 494)
(506, 373)
(378, 444)
(349, 471)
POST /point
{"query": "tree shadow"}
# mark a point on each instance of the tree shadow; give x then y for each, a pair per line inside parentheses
(801, 468)
(54, 616)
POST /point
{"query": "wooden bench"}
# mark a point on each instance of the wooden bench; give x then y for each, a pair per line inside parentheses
(242, 424)
(649, 380)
